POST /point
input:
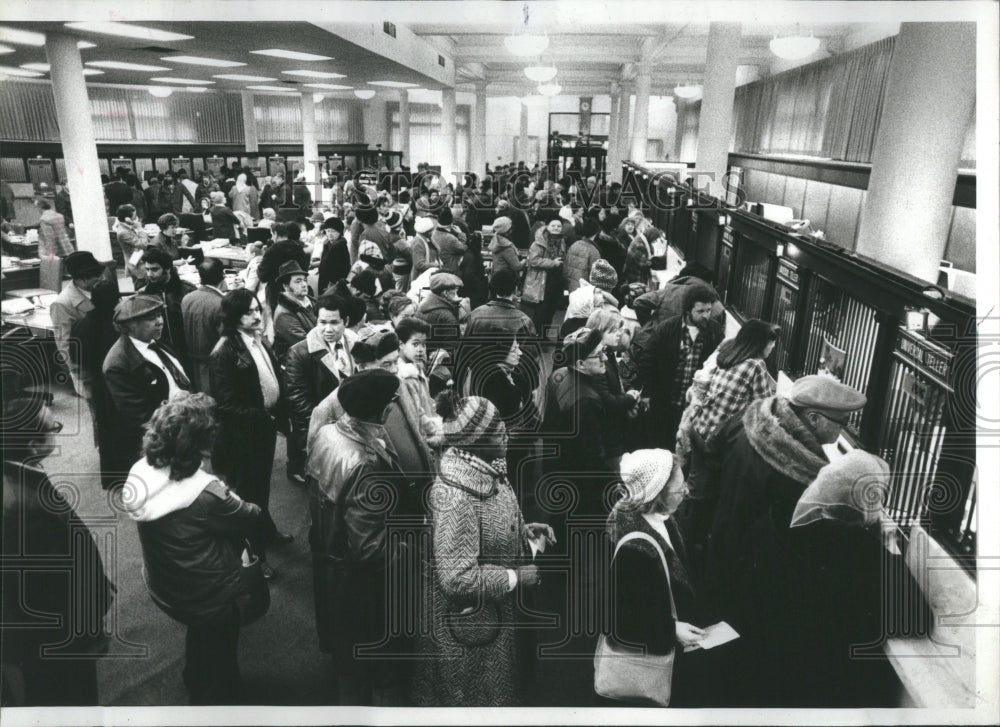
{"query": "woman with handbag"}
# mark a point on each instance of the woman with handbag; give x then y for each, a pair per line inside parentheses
(192, 530)
(469, 653)
(641, 659)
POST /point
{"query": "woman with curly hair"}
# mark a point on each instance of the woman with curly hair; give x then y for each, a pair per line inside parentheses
(191, 527)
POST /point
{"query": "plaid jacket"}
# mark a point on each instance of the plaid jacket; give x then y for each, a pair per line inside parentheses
(729, 393)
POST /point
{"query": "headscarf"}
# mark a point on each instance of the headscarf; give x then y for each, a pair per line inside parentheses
(241, 182)
(849, 489)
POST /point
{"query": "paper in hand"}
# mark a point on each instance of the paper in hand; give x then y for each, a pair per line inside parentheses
(715, 635)
(537, 545)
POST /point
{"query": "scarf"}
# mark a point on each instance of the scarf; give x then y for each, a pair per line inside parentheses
(465, 471)
(778, 435)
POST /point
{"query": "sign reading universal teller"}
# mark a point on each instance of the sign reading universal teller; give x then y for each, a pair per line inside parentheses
(122, 162)
(180, 163)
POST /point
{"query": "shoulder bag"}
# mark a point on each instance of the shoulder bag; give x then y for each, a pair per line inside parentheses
(626, 672)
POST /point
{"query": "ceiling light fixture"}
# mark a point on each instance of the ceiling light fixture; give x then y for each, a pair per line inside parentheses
(240, 77)
(317, 97)
(125, 30)
(328, 86)
(23, 73)
(122, 66)
(43, 67)
(549, 89)
(196, 89)
(291, 55)
(315, 74)
(182, 81)
(84, 44)
(6, 49)
(364, 93)
(392, 84)
(160, 91)
(199, 61)
(21, 37)
(523, 43)
(92, 72)
(284, 89)
(687, 90)
(540, 74)
(794, 47)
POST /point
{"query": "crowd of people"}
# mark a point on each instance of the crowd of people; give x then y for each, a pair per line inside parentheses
(477, 431)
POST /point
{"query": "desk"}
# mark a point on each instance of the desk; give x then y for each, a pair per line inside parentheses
(19, 274)
(237, 257)
(37, 321)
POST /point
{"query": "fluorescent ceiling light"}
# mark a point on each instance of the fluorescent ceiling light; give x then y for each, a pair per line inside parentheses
(182, 81)
(122, 66)
(364, 93)
(526, 44)
(540, 74)
(392, 84)
(315, 74)
(198, 61)
(6, 49)
(92, 72)
(11, 71)
(687, 90)
(291, 54)
(125, 30)
(21, 37)
(328, 86)
(43, 67)
(84, 44)
(286, 89)
(550, 89)
(794, 47)
(196, 89)
(160, 91)
(317, 97)
(239, 77)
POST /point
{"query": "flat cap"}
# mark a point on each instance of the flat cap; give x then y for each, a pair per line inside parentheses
(444, 281)
(366, 394)
(423, 225)
(826, 394)
(136, 306)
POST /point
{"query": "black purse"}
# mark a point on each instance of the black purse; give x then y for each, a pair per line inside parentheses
(254, 598)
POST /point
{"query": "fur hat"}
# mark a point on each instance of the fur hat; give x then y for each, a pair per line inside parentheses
(366, 394)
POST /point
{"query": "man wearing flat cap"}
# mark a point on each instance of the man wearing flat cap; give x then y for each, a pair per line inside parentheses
(295, 314)
(358, 478)
(440, 309)
(140, 373)
(773, 452)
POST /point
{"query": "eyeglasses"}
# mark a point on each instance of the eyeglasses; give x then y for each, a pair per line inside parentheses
(838, 422)
(55, 428)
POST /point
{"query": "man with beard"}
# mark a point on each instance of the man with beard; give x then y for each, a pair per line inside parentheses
(668, 358)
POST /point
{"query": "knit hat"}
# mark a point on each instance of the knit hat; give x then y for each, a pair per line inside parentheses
(364, 281)
(826, 395)
(423, 225)
(394, 219)
(502, 225)
(580, 344)
(136, 306)
(603, 276)
(366, 394)
(468, 421)
(334, 223)
(850, 489)
(445, 216)
(644, 474)
(365, 210)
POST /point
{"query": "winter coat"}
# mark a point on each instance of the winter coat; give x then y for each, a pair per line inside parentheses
(52, 237)
(637, 262)
(669, 300)
(541, 264)
(131, 238)
(292, 322)
(191, 532)
(475, 286)
(580, 257)
(349, 470)
(425, 256)
(311, 374)
(201, 311)
(334, 265)
(451, 245)
(442, 316)
(478, 534)
(612, 251)
(504, 255)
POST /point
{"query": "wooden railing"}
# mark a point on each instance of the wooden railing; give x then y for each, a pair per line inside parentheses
(849, 315)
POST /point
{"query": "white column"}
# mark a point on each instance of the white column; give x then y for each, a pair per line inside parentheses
(249, 121)
(624, 130)
(522, 140)
(479, 132)
(929, 100)
(76, 130)
(640, 131)
(404, 124)
(310, 146)
(715, 122)
(613, 161)
(448, 169)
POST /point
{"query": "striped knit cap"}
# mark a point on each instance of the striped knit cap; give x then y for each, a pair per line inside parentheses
(475, 418)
